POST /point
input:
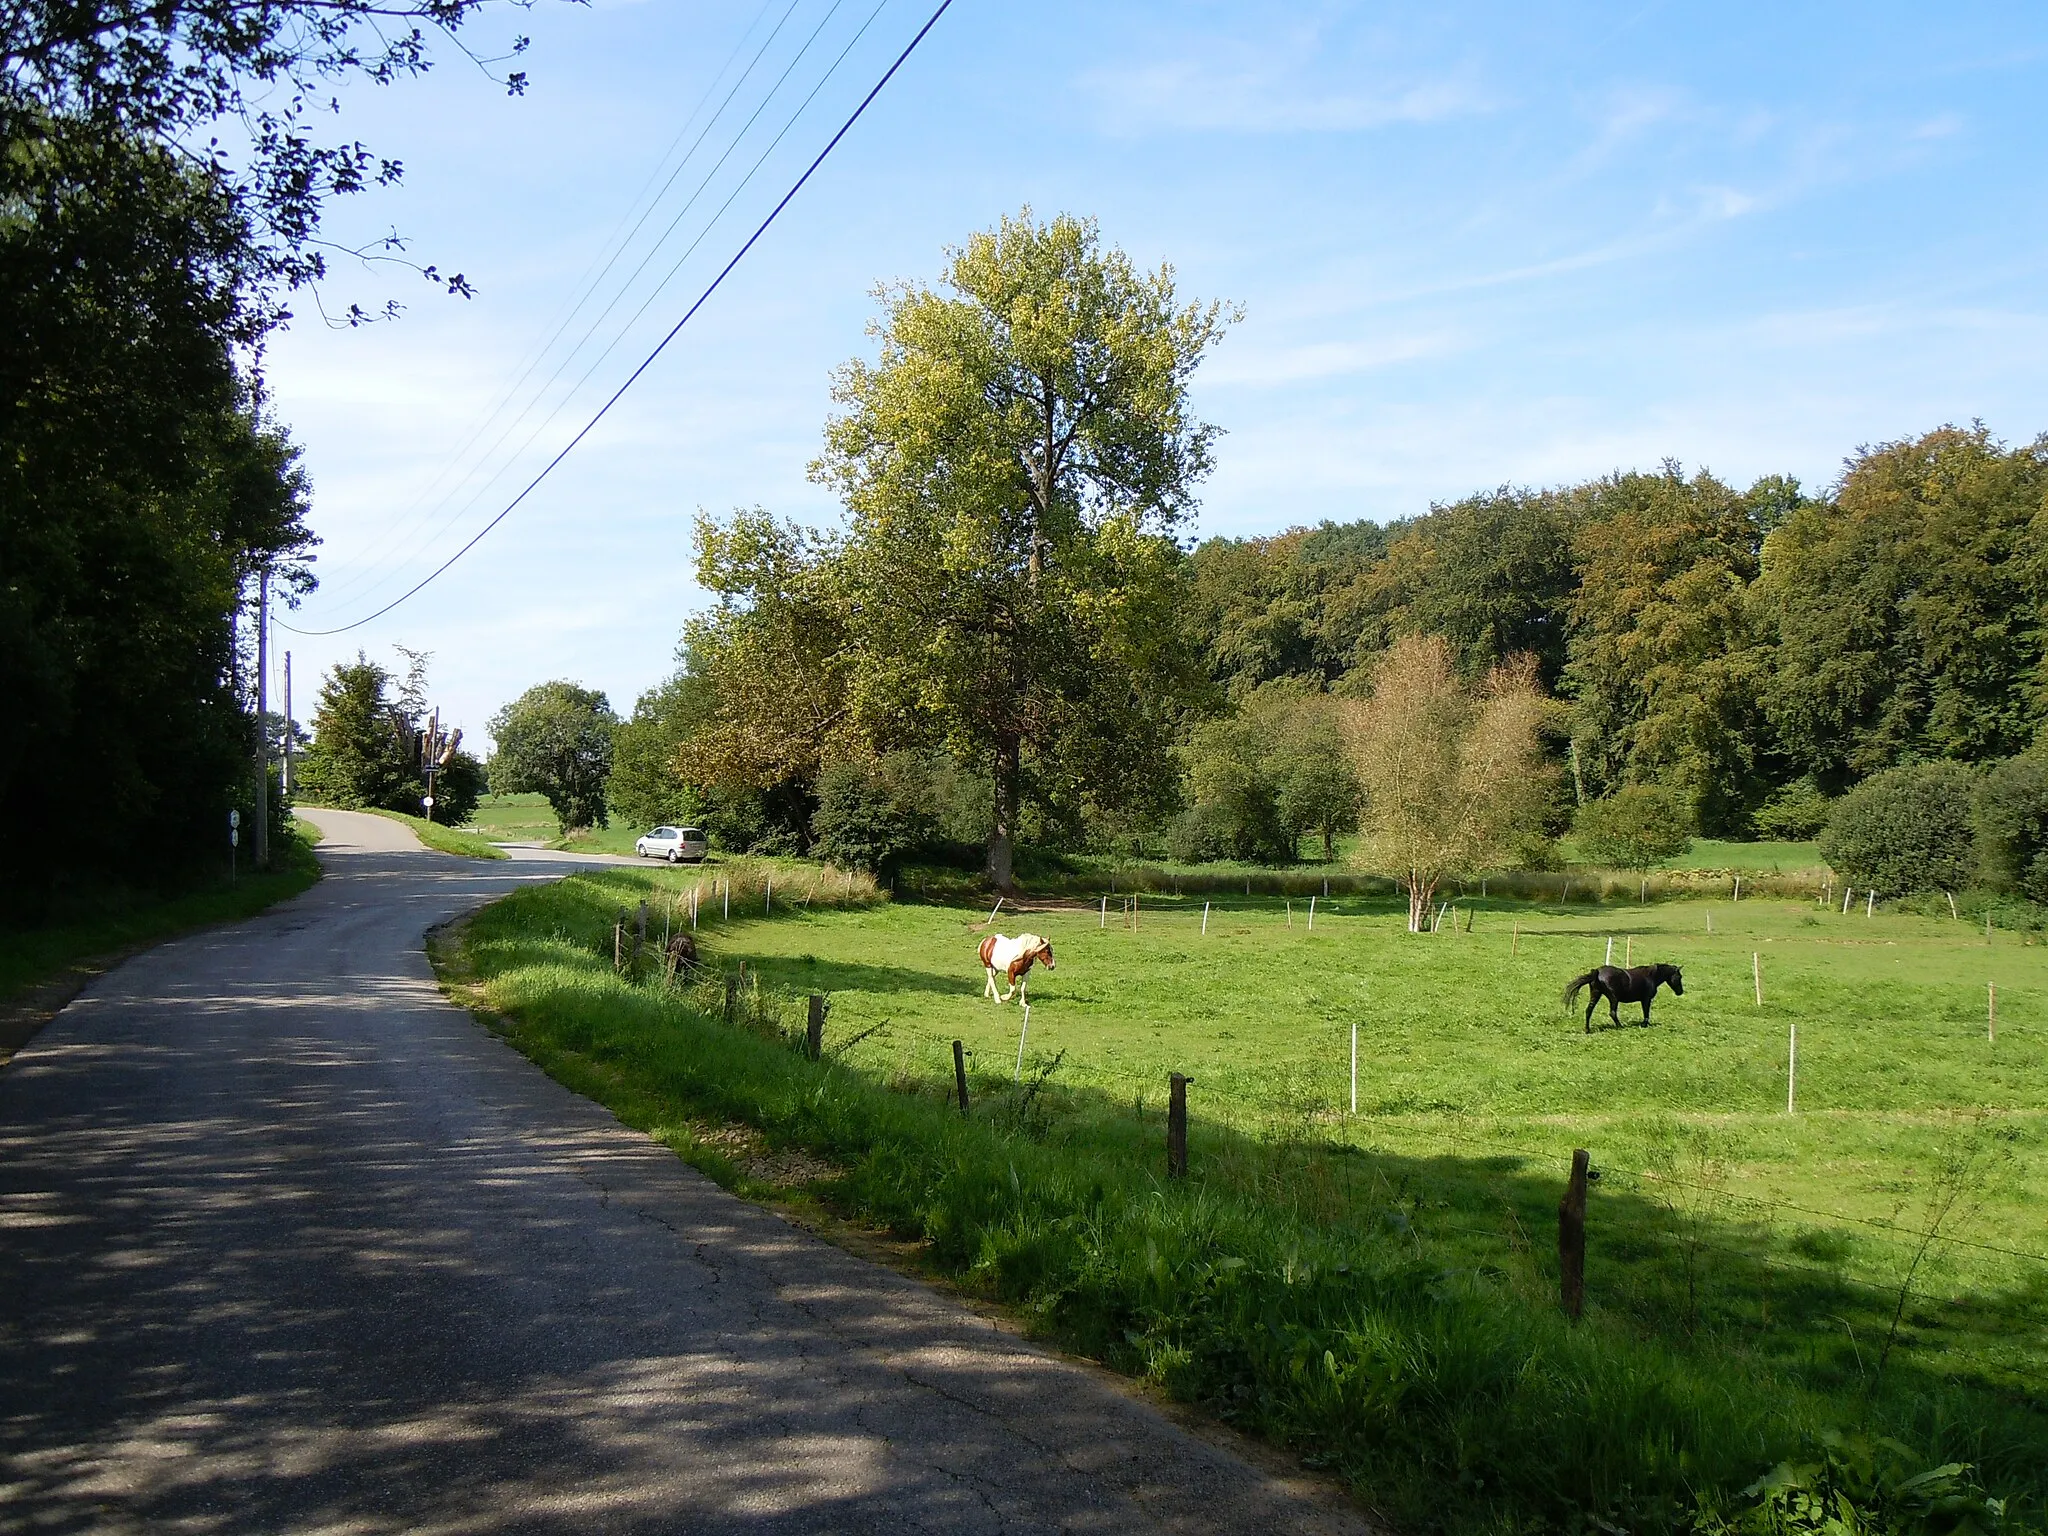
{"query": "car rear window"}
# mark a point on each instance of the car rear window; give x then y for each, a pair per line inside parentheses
(693, 834)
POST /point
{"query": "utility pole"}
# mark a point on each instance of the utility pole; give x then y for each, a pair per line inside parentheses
(428, 766)
(262, 722)
(289, 729)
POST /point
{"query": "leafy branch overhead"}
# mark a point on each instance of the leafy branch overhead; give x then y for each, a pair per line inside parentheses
(236, 89)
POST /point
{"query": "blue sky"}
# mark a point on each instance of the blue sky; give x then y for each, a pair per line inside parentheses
(1476, 244)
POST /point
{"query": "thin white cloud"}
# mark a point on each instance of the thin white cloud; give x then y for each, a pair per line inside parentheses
(1281, 85)
(1261, 368)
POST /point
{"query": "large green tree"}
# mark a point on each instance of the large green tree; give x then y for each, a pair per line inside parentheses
(1664, 674)
(647, 787)
(1492, 574)
(1906, 613)
(250, 80)
(366, 752)
(1014, 466)
(140, 488)
(556, 739)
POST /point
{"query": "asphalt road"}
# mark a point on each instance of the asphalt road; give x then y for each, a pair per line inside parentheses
(289, 1244)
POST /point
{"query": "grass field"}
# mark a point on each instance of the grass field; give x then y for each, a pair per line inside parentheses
(530, 819)
(1726, 1236)
(1465, 1050)
(1764, 858)
(464, 841)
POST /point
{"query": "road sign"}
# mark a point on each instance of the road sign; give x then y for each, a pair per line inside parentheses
(428, 802)
(234, 818)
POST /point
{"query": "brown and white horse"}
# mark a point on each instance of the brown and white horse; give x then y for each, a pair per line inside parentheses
(1014, 958)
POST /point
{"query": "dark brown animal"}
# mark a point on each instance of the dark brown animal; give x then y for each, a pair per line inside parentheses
(1637, 985)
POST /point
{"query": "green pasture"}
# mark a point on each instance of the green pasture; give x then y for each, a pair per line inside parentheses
(1869, 1264)
(1469, 1065)
(464, 841)
(528, 818)
(1761, 857)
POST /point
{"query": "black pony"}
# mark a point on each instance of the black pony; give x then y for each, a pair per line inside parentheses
(1637, 985)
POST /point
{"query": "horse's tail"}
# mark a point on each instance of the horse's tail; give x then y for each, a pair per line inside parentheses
(1573, 990)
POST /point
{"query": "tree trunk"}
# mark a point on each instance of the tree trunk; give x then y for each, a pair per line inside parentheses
(1002, 837)
(1421, 896)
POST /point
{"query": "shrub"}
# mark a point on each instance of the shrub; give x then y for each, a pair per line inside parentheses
(1233, 797)
(2012, 825)
(457, 788)
(870, 814)
(1636, 826)
(1197, 835)
(1906, 829)
(1796, 813)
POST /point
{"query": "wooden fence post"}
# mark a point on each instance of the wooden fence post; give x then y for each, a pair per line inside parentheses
(639, 937)
(814, 1028)
(1571, 1238)
(1177, 1126)
(619, 941)
(960, 1074)
(732, 998)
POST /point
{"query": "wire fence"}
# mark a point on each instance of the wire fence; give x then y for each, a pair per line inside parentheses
(744, 1001)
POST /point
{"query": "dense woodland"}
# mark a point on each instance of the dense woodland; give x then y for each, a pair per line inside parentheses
(164, 170)
(1756, 652)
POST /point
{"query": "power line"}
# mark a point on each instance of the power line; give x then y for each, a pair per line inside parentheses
(593, 278)
(703, 234)
(660, 346)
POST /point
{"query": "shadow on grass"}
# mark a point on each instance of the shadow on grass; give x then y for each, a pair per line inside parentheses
(1391, 1315)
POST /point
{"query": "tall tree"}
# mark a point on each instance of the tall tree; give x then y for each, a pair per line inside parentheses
(140, 484)
(1492, 574)
(556, 739)
(647, 786)
(1453, 772)
(1906, 614)
(1014, 465)
(366, 749)
(1664, 674)
(771, 658)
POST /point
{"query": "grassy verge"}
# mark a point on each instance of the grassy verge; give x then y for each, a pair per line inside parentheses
(127, 918)
(1437, 1378)
(444, 839)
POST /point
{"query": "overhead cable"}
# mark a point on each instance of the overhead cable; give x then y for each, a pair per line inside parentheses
(660, 346)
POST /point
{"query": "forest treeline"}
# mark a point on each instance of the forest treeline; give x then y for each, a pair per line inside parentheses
(1755, 652)
(164, 170)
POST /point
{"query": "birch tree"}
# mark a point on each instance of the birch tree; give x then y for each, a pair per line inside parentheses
(1454, 774)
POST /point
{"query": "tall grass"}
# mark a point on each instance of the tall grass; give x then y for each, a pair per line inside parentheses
(1451, 1394)
(1578, 886)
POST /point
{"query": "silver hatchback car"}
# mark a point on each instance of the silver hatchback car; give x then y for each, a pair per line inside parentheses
(679, 845)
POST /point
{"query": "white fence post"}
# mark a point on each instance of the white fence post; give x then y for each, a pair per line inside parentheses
(1354, 1067)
